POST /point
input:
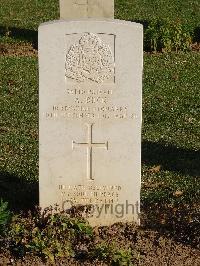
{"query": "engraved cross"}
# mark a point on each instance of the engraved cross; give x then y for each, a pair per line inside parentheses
(89, 145)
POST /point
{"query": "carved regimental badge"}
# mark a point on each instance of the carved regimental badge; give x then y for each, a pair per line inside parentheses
(89, 59)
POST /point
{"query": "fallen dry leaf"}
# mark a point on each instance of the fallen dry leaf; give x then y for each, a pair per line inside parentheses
(175, 77)
(154, 185)
(178, 193)
(155, 169)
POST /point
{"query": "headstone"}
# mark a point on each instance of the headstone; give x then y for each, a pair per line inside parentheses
(72, 9)
(90, 117)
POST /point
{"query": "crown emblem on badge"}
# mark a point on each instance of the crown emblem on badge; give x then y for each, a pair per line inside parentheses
(89, 59)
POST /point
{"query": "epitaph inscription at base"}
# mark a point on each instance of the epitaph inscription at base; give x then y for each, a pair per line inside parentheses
(90, 117)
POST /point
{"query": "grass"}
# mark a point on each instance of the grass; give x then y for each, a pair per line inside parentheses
(170, 126)
(143, 10)
(171, 90)
(19, 20)
(19, 130)
(28, 14)
(171, 142)
(19, 111)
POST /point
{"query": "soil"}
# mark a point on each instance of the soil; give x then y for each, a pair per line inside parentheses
(17, 50)
(150, 248)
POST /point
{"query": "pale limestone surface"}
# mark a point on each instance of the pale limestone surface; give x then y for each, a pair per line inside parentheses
(90, 78)
(72, 9)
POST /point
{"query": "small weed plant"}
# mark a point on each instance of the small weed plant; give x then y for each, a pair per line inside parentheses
(5, 216)
(167, 36)
(47, 235)
(54, 236)
(113, 255)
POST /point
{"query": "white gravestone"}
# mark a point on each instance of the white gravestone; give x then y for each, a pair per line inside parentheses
(90, 117)
(72, 9)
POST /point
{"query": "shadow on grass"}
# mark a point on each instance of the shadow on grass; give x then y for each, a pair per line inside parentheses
(21, 34)
(180, 223)
(171, 158)
(174, 219)
(20, 195)
(32, 35)
(196, 35)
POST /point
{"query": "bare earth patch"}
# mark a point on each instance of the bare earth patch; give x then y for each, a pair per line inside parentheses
(17, 50)
(148, 248)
